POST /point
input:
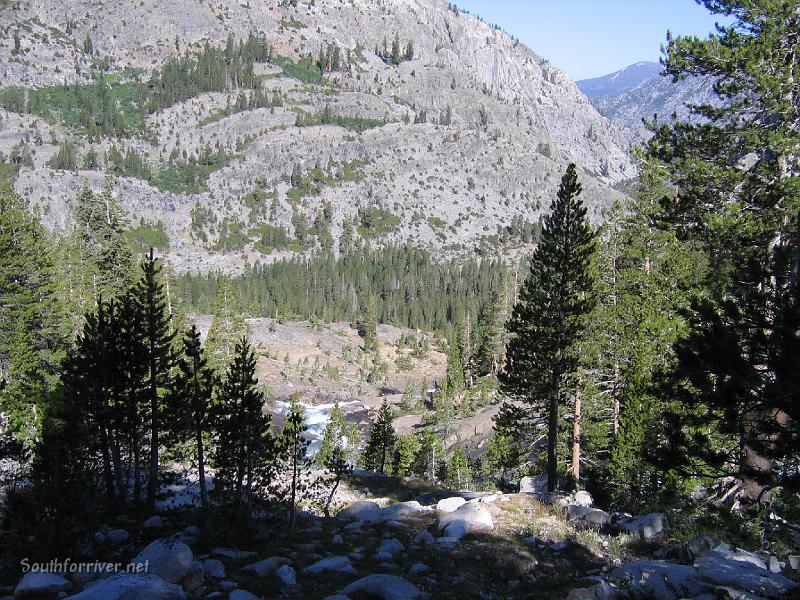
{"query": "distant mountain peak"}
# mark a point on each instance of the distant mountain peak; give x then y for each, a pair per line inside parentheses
(620, 81)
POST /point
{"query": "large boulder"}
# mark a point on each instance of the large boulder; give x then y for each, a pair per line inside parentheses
(40, 584)
(352, 512)
(717, 569)
(644, 527)
(656, 580)
(448, 505)
(170, 561)
(467, 519)
(126, 586)
(740, 555)
(335, 564)
(266, 567)
(536, 484)
(386, 587)
(594, 516)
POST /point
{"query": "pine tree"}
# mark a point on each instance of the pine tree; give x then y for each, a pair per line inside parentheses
(245, 452)
(157, 332)
(31, 317)
(338, 449)
(491, 342)
(339, 435)
(227, 327)
(736, 375)
(378, 452)
(547, 320)
(293, 448)
(459, 472)
(368, 325)
(194, 393)
(406, 450)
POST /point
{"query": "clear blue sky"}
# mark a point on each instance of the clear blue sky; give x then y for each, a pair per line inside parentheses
(589, 38)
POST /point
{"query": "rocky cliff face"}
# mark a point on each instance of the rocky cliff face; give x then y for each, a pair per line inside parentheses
(448, 182)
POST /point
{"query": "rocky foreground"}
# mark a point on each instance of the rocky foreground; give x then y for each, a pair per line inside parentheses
(442, 544)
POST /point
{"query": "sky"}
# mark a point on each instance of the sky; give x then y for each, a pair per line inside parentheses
(589, 38)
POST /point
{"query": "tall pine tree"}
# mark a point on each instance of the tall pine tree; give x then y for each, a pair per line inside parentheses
(547, 320)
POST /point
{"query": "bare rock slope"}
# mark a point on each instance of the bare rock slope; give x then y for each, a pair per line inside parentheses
(476, 129)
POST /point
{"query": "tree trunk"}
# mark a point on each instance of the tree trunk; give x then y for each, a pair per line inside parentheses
(576, 437)
(552, 428)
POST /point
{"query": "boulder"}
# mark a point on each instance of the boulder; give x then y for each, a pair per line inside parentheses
(389, 549)
(715, 569)
(738, 554)
(352, 512)
(287, 575)
(448, 505)
(644, 527)
(536, 484)
(214, 568)
(126, 586)
(233, 555)
(41, 584)
(117, 536)
(153, 523)
(582, 498)
(170, 561)
(337, 540)
(336, 564)
(656, 580)
(473, 517)
(195, 577)
(418, 569)
(266, 567)
(386, 587)
(702, 544)
(595, 516)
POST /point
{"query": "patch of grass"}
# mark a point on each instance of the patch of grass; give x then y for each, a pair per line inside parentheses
(104, 107)
(144, 237)
(292, 23)
(303, 70)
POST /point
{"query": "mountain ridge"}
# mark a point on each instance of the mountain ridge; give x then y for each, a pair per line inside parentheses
(477, 127)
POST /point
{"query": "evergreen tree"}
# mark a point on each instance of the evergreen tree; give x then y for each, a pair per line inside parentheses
(293, 448)
(337, 451)
(31, 335)
(339, 435)
(491, 342)
(227, 327)
(459, 471)
(736, 377)
(158, 334)
(406, 450)
(547, 321)
(246, 452)
(368, 325)
(194, 394)
(66, 158)
(378, 452)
